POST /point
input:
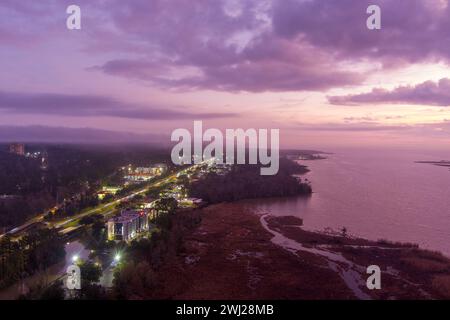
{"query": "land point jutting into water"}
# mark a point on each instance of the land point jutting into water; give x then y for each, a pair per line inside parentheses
(442, 163)
(141, 228)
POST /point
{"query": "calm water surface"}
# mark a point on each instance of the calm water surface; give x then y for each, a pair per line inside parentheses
(376, 195)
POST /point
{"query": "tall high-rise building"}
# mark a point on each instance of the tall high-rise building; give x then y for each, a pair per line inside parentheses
(17, 148)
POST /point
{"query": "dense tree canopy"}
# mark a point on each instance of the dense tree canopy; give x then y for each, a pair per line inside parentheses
(245, 182)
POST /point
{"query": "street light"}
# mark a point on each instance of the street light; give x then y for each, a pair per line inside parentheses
(75, 258)
(117, 257)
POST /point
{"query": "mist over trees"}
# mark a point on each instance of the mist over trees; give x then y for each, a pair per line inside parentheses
(74, 173)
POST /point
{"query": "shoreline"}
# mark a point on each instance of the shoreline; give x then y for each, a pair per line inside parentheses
(407, 271)
(231, 256)
(237, 253)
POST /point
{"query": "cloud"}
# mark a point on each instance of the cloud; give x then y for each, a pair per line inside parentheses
(412, 30)
(427, 93)
(352, 127)
(433, 129)
(73, 135)
(253, 45)
(231, 48)
(92, 106)
(287, 45)
(247, 76)
(365, 119)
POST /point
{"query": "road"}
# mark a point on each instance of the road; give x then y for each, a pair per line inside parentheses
(16, 231)
(108, 273)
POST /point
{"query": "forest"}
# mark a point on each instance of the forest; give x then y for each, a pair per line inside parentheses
(246, 182)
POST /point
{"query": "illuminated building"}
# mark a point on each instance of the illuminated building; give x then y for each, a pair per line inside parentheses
(144, 170)
(139, 177)
(108, 190)
(191, 202)
(161, 168)
(128, 225)
(17, 148)
(141, 174)
(44, 161)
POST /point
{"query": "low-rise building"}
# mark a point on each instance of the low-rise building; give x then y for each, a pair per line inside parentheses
(191, 202)
(139, 177)
(108, 190)
(148, 204)
(141, 174)
(128, 225)
(160, 168)
(17, 148)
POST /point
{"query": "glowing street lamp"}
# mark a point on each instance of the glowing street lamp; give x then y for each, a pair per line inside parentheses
(117, 257)
(75, 258)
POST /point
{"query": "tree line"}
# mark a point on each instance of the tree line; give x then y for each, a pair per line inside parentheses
(245, 182)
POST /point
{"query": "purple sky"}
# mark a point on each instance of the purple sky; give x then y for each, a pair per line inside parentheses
(308, 67)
